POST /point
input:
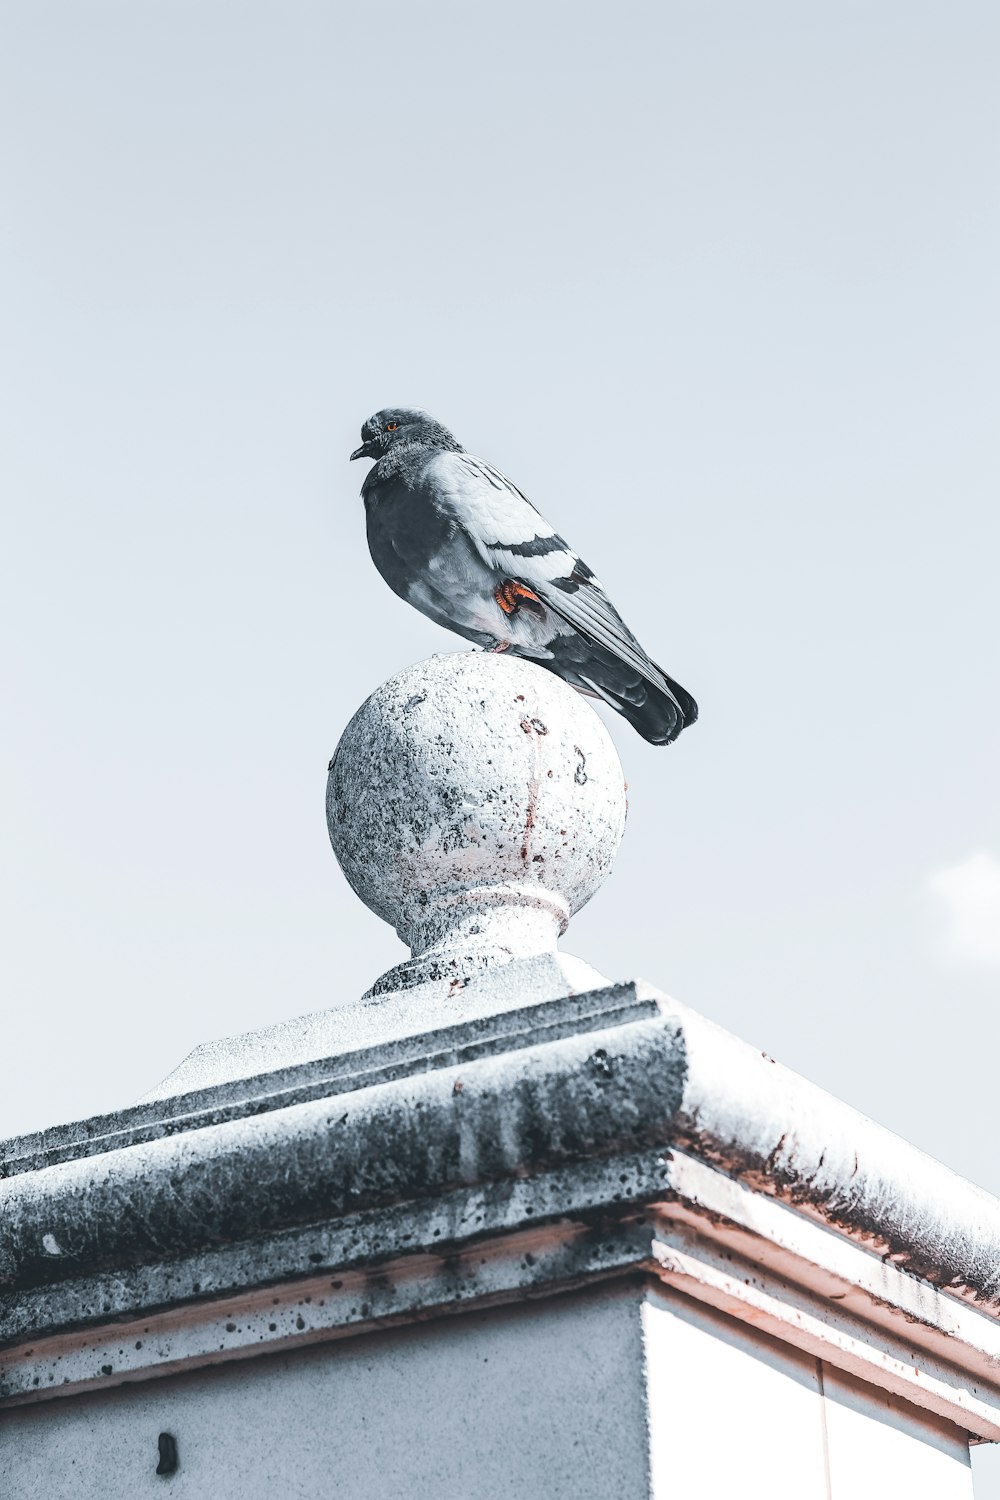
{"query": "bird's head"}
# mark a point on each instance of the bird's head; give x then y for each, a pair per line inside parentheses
(401, 424)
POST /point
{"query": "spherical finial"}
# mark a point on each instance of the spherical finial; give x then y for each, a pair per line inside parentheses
(474, 802)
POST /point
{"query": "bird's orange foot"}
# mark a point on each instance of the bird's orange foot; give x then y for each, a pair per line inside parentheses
(511, 595)
(500, 646)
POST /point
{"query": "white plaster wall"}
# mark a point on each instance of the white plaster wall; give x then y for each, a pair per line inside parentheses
(542, 1400)
(613, 1394)
(878, 1447)
(735, 1413)
(731, 1412)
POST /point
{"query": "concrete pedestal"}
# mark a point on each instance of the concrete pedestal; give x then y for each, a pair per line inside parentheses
(593, 1246)
(504, 1230)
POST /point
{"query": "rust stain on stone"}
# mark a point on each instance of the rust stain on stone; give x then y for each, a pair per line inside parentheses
(529, 818)
(532, 805)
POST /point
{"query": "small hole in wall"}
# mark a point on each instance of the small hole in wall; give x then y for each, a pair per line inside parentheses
(167, 1445)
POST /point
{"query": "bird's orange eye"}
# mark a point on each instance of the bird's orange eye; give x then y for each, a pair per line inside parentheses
(391, 426)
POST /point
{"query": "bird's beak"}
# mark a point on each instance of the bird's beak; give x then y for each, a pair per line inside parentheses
(361, 452)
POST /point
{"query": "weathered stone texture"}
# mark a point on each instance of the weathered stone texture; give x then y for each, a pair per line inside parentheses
(475, 802)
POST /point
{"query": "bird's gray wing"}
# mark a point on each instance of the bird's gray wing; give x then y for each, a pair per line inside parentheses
(518, 543)
(502, 524)
(581, 601)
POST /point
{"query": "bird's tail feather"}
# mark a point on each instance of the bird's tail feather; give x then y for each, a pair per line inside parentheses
(657, 715)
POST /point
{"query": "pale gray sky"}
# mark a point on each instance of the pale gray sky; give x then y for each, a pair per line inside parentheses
(717, 285)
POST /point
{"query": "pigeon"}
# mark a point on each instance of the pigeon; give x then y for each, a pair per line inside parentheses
(456, 539)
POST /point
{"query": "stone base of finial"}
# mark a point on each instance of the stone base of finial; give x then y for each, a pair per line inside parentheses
(443, 974)
(461, 937)
(399, 1006)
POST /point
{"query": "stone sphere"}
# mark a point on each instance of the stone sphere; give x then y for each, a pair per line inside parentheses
(473, 781)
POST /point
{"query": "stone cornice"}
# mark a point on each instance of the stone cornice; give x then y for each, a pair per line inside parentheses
(606, 1134)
